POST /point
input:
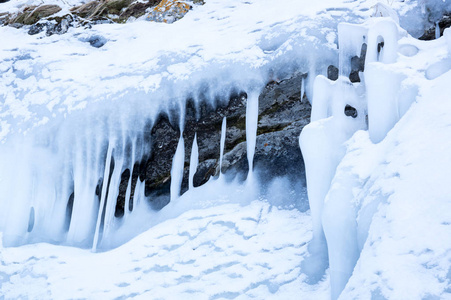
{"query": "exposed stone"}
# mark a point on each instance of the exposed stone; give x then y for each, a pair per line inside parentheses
(350, 111)
(164, 140)
(96, 12)
(358, 65)
(282, 115)
(429, 34)
(32, 14)
(169, 11)
(40, 12)
(57, 25)
(137, 9)
(332, 72)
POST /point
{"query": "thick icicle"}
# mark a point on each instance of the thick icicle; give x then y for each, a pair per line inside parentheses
(251, 128)
(437, 30)
(177, 169)
(382, 84)
(194, 162)
(223, 137)
(100, 214)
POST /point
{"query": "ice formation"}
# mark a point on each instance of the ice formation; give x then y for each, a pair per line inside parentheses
(341, 215)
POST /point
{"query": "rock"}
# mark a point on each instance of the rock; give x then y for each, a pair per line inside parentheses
(32, 14)
(358, 65)
(137, 9)
(282, 115)
(332, 72)
(96, 12)
(41, 12)
(350, 111)
(164, 140)
(4, 18)
(169, 11)
(443, 23)
(58, 25)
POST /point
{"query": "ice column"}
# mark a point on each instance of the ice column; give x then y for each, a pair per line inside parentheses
(322, 145)
(177, 169)
(382, 84)
(223, 137)
(194, 162)
(251, 129)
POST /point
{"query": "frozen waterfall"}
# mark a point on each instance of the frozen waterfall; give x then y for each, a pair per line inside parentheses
(340, 109)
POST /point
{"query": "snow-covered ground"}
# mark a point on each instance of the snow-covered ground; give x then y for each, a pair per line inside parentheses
(232, 248)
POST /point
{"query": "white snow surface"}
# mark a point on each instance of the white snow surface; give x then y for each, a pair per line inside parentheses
(219, 46)
(407, 254)
(226, 246)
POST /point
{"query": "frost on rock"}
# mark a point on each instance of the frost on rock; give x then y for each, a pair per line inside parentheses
(343, 163)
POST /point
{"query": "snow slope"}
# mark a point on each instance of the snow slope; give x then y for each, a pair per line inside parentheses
(408, 251)
(218, 249)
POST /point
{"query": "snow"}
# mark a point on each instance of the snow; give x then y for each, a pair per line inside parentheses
(408, 250)
(355, 186)
(71, 102)
(379, 199)
(235, 250)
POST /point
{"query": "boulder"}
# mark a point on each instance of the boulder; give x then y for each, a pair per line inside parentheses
(169, 11)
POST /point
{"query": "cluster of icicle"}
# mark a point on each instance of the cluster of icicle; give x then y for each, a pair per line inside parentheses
(61, 184)
(340, 223)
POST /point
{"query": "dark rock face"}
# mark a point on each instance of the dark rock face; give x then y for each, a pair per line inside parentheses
(332, 72)
(282, 115)
(358, 64)
(43, 17)
(58, 25)
(443, 23)
(350, 111)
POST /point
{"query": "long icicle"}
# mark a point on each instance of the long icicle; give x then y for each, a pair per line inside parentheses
(102, 202)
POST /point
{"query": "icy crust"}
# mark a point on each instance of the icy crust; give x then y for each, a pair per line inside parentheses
(223, 249)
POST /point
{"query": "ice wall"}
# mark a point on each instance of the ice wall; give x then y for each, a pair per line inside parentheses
(340, 223)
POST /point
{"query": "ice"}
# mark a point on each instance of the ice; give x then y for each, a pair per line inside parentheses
(382, 85)
(222, 143)
(75, 118)
(323, 145)
(103, 196)
(251, 127)
(352, 177)
(68, 101)
(178, 163)
(194, 161)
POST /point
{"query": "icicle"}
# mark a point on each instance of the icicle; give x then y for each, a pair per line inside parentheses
(106, 175)
(437, 30)
(223, 136)
(350, 39)
(251, 128)
(194, 162)
(113, 192)
(177, 169)
(302, 90)
(128, 192)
